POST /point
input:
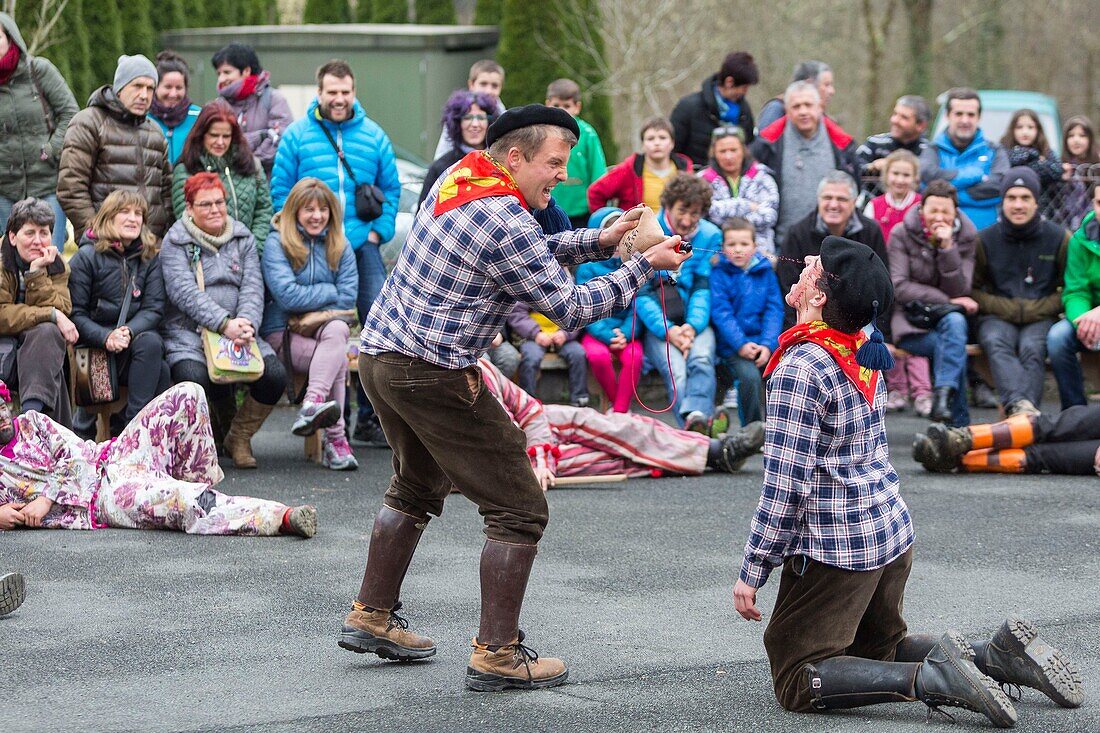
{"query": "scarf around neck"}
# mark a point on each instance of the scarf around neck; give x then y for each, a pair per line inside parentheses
(1025, 233)
(211, 241)
(476, 176)
(841, 346)
(172, 117)
(9, 61)
(244, 87)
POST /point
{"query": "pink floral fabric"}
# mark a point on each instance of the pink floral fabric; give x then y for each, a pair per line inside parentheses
(158, 474)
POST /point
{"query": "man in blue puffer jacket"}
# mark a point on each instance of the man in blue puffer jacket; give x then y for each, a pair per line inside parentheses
(679, 333)
(308, 148)
(962, 155)
(746, 311)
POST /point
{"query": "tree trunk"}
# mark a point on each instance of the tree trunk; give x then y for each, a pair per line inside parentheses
(919, 63)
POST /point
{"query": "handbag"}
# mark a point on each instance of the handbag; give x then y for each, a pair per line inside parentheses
(368, 197)
(95, 370)
(927, 315)
(226, 361)
(308, 324)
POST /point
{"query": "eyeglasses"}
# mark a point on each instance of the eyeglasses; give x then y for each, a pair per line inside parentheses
(207, 205)
(727, 131)
(475, 118)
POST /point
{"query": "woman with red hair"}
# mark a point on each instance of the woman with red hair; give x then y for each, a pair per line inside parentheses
(231, 304)
(216, 144)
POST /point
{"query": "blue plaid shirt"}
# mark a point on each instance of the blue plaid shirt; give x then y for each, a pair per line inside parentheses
(461, 273)
(829, 490)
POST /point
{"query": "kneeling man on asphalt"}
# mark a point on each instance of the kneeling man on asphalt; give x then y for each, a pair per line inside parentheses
(831, 513)
(473, 252)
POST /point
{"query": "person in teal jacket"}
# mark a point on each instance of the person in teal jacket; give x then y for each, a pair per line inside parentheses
(746, 313)
(308, 149)
(1080, 329)
(172, 108)
(618, 337)
(675, 307)
(962, 155)
(586, 160)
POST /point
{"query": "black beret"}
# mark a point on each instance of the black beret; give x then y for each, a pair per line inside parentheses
(531, 114)
(858, 279)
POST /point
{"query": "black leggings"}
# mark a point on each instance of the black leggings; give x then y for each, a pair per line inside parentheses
(266, 390)
(143, 370)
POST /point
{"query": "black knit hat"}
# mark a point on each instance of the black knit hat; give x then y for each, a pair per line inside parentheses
(860, 286)
(1021, 176)
(531, 114)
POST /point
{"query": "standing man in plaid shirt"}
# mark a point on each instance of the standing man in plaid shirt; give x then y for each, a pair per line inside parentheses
(473, 252)
(830, 513)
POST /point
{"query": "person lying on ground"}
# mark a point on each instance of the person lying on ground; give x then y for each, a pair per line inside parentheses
(563, 440)
(159, 473)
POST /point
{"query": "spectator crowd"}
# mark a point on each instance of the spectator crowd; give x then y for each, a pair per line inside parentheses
(233, 223)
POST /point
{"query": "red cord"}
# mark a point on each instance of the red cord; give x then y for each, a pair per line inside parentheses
(668, 351)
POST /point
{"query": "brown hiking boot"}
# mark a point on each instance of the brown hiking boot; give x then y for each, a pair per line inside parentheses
(512, 666)
(384, 633)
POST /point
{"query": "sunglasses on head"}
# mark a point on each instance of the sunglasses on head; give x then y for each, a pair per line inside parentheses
(728, 131)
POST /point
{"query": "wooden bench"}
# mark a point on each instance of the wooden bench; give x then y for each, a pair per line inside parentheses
(1090, 365)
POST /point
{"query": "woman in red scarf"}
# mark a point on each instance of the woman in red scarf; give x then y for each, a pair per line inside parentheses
(262, 112)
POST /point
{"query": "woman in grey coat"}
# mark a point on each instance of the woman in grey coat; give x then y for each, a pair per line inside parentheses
(232, 305)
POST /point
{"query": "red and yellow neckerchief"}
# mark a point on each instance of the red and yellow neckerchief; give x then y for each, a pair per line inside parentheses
(841, 346)
(476, 176)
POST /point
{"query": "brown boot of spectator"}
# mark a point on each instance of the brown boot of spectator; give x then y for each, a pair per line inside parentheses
(500, 660)
(238, 441)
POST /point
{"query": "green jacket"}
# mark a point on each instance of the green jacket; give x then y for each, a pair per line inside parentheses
(1082, 289)
(586, 164)
(248, 198)
(25, 134)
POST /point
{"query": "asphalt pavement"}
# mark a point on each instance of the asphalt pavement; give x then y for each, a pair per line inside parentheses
(160, 631)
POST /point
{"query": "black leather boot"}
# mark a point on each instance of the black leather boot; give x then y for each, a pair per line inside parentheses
(942, 397)
(946, 676)
(1016, 655)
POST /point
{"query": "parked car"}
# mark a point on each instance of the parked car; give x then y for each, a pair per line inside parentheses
(997, 108)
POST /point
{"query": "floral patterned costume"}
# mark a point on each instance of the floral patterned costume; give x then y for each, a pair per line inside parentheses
(158, 474)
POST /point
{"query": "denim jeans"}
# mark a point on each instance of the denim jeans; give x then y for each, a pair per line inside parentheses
(750, 387)
(946, 345)
(59, 233)
(1017, 357)
(694, 376)
(575, 359)
(1063, 346)
(372, 274)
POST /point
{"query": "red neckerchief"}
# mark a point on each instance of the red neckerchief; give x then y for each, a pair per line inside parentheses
(841, 346)
(476, 176)
(248, 86)
(8, 63)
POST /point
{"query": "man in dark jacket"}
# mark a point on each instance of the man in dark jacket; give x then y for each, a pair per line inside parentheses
(801, 153)
(36, 112)
(836, 215)
(720, 101)
(907, 126)
(113, 144)
(1018, 275)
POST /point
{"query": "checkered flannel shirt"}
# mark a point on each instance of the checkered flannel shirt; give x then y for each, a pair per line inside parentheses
(829, 490)
(461, 273)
